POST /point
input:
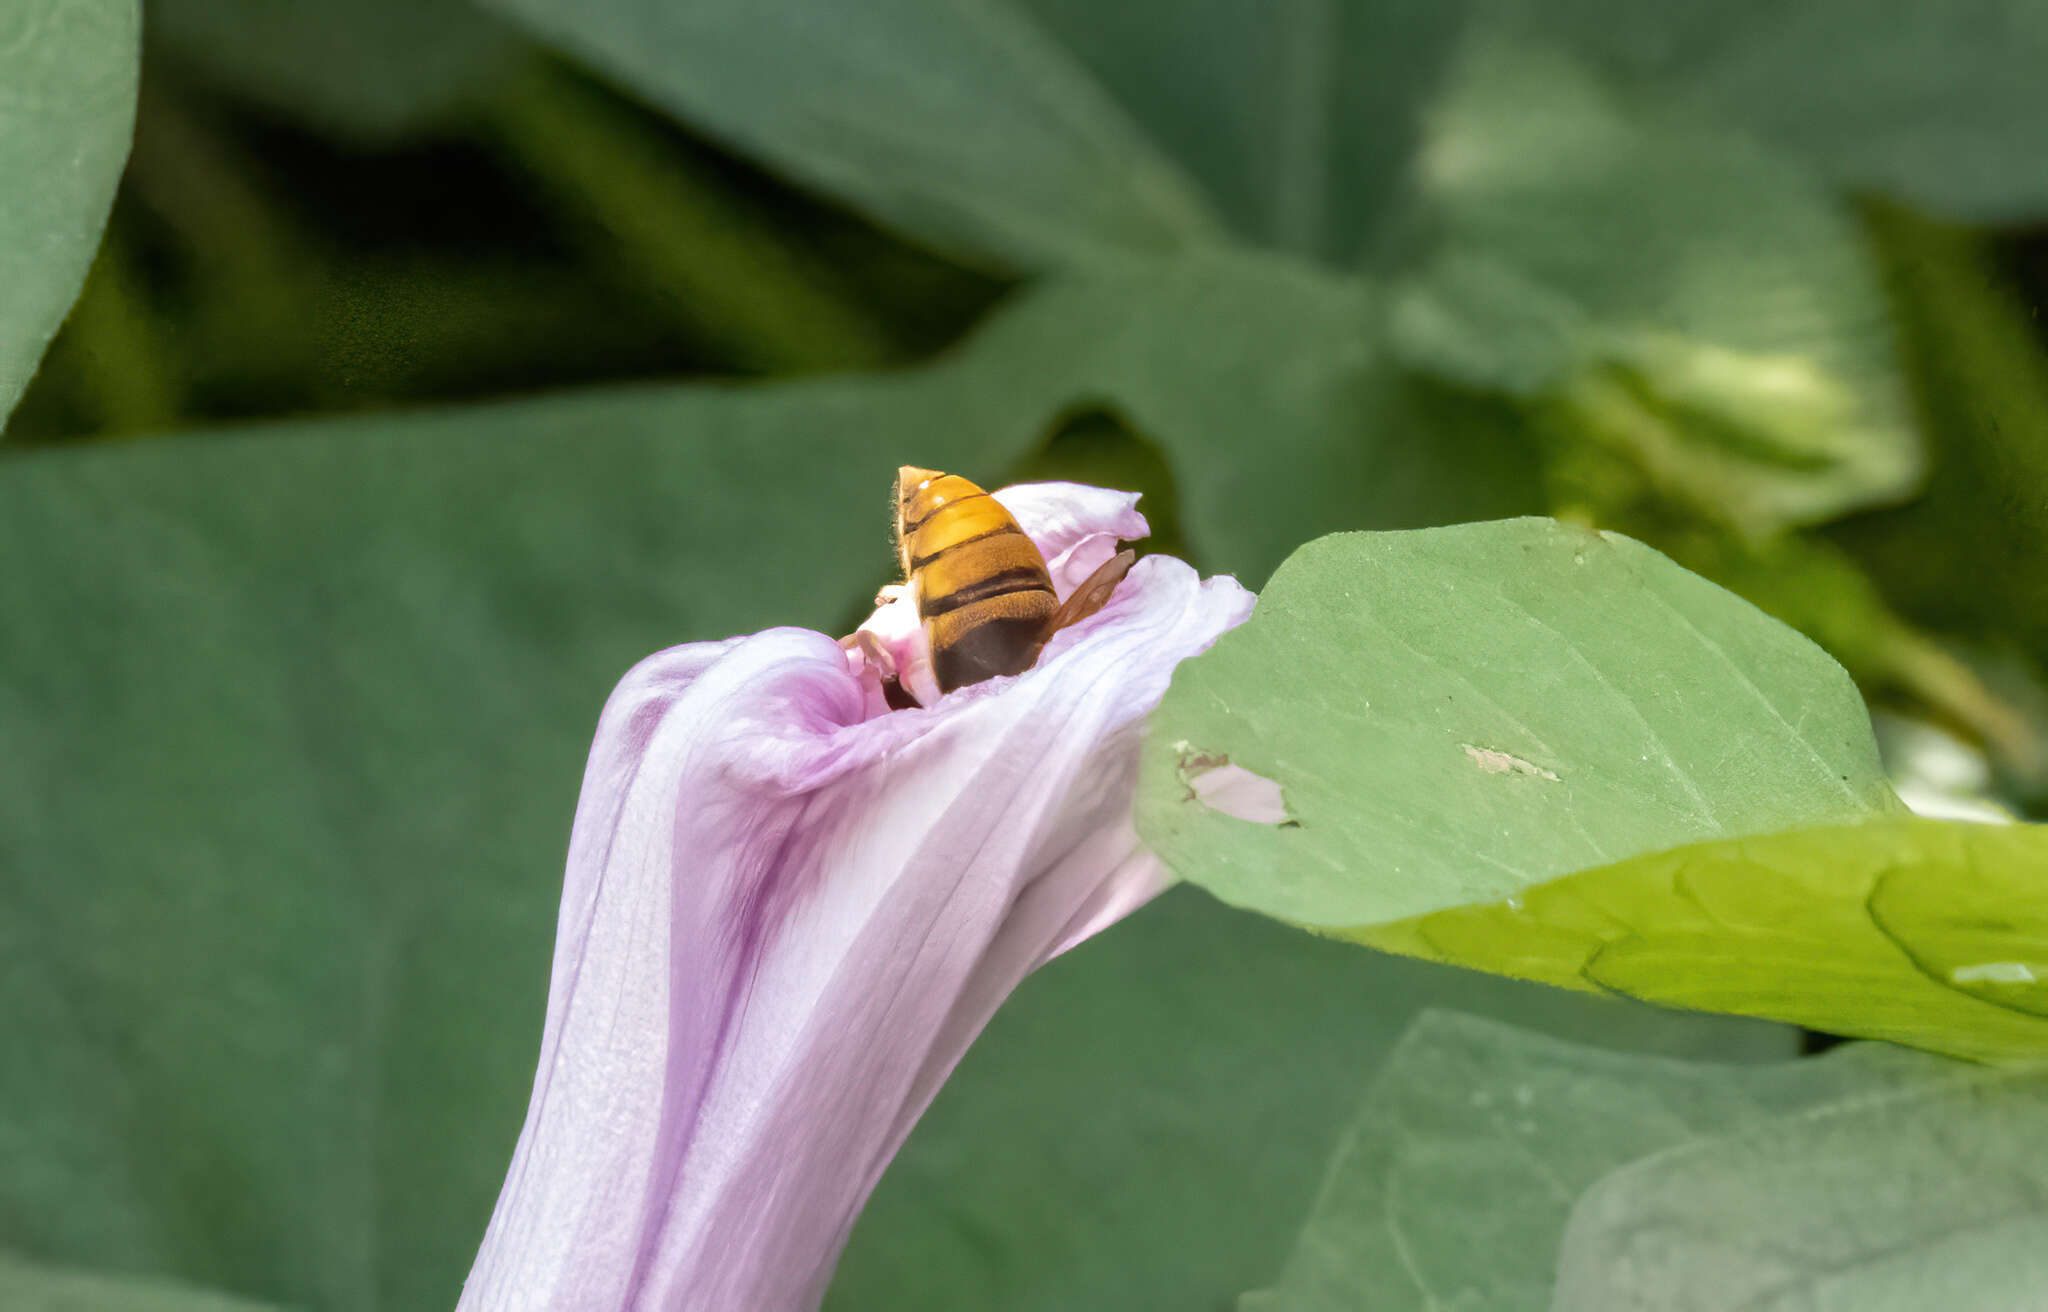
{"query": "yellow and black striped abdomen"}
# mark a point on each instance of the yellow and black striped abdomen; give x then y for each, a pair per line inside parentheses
(982, 588)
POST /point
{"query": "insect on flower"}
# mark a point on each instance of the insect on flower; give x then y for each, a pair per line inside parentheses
(980, 599)
(980, 586)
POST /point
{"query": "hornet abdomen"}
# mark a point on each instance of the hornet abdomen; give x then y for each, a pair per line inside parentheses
(982, 588)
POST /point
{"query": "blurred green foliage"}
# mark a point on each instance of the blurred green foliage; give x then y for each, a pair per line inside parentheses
(1475, 1143)
(1891, 1200)
(440, 359)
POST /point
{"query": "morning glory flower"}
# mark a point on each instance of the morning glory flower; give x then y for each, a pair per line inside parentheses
(789, 909)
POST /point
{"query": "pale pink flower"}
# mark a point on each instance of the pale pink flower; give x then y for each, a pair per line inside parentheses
(788, 910)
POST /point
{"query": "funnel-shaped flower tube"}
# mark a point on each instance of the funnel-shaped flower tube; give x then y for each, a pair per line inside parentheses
(788, 911)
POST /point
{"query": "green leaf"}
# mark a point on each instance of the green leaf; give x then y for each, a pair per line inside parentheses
(1050, 133)
(1207, 354)
(1210, 354)
(1453, 1186)
(1533, 749)
(1456, 714)
(1684, 298)
(1928, 933)
(1918, 1198)
(1045, 132)
(1298, 117)
(33, 1287)
(368, 71)
(1669, 289)
(1216, 355)
(1818, 588)
(964, 125)
(1940, 105)
(67, 103)
(1138, 1132)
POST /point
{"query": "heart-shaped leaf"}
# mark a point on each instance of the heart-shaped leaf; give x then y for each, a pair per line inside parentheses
(1534, 749)
(1457, 715)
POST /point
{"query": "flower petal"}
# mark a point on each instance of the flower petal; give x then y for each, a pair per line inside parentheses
(783, 921)
(1076, 527)
(895, 626)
